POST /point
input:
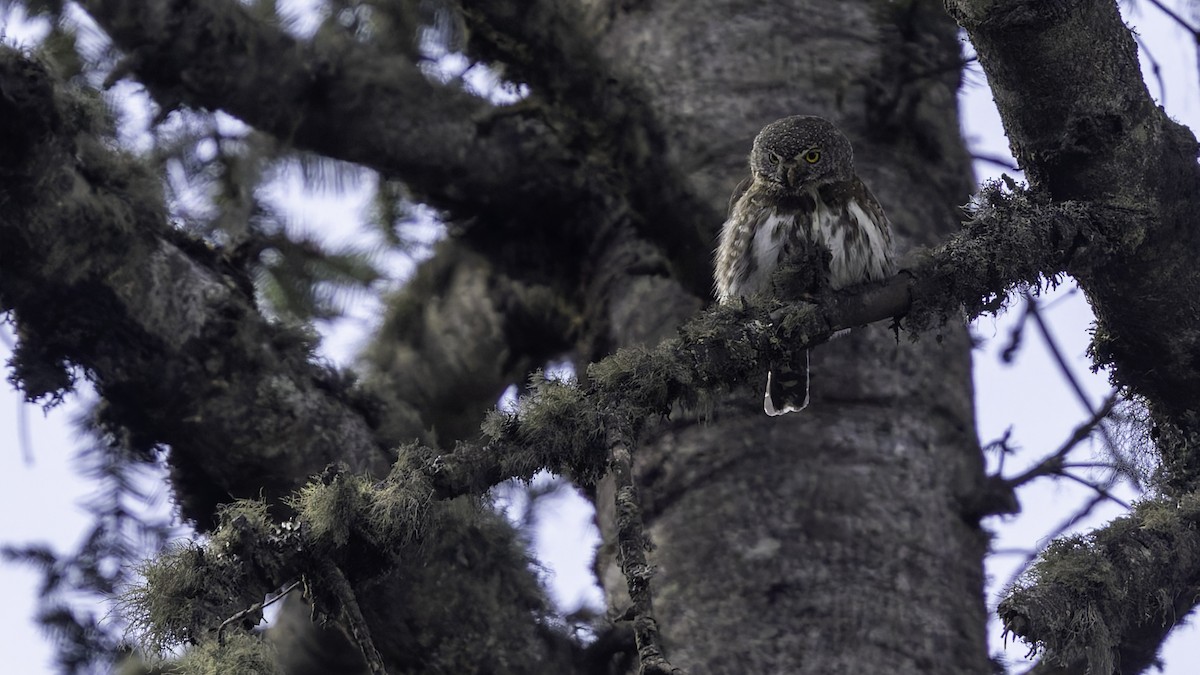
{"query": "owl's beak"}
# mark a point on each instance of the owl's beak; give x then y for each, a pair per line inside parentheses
(789, 175)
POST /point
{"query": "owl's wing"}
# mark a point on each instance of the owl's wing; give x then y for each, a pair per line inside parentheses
(737, 194)
(867, 200)
(868, 203)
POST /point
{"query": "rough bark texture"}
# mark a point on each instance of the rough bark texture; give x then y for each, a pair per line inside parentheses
(809, 543)
(163, 325)
(1081, 122)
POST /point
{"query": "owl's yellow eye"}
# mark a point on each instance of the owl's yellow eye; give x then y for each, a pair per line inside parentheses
(812, 156)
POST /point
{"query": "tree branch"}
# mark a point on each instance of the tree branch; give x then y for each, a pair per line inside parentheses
(561, 427)
(518, 167)
(1068, 84)
(632, 543)
(1107, 601)
(1012, 240)
(335, 97)
(1054, 463)
(164, 326)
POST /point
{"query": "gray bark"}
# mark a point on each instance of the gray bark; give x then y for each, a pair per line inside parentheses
(809, 543)
(1081, 122)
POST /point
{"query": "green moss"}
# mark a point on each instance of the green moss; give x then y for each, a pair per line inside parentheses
(186, 594)
(562, 429)
(399, 509)
(1087, 594)
(1179, 448)
(647, 382)
(1012, 241)
(242, 653)
(238, 519)
(333, 508)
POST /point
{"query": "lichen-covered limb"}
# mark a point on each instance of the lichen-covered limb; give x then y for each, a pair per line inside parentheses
(164, 327)
(1068, 85)
(334, 584)
(632, 544)
(1011, 241)
(332, 96)
(1106, 601)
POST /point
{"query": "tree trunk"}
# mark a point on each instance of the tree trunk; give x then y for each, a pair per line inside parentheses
(838, 539)
(844, 538)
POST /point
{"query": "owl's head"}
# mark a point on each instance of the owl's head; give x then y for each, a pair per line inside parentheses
(801, 151)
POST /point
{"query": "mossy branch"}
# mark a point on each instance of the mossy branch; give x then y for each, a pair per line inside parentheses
(164, 325)
(1011, 241)
(350, 617)
(346, 527)
(632, 543)
(1104, 602)
(435, 136)
(570, 429)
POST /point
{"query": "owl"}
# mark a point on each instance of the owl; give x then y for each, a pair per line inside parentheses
(802, 192)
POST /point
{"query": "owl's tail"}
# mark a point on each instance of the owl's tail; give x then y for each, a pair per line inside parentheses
(787, 389)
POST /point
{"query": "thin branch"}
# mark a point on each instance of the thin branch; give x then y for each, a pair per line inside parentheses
(632, 543)
(1100, 491)
(256, 607)
(1184, 23)
(352, 620)
(1090, 465)
(998, 160)
(433, 136)
(1012, 551)
(1035, 312)
(1015, 338)
(1052, 344)
(1052, 465)
(1155, 68)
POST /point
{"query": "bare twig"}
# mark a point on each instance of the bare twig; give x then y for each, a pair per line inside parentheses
(1053, 465)
(1052, 345)
(24, 439)
(1155, 68)
(1184, 23)
(1100, 491)
(256, 607)
(631, 549)
(998, 160)
(1035, 312)
(1015, 337)
(1089, 465)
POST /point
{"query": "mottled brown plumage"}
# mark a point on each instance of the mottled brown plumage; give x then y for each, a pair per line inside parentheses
(802, 191)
